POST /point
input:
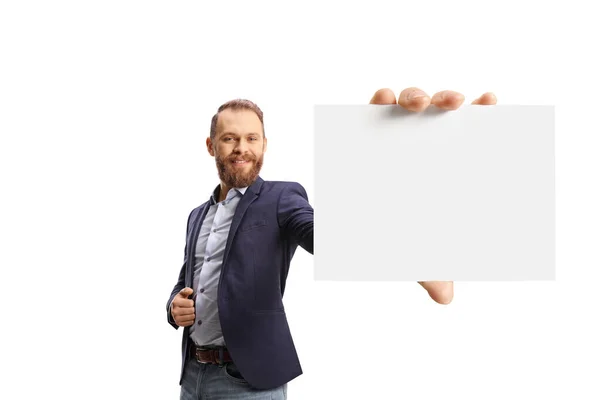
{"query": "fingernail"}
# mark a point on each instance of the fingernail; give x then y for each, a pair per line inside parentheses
(416, 94)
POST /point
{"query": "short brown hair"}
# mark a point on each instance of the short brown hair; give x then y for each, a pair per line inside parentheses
(237, 104)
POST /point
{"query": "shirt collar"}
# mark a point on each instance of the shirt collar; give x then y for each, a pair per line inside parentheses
(232, 192)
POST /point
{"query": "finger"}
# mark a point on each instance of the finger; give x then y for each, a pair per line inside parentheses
(185, 322)
(187, 319)
(184, 311)
(486, 99)
(448, 100)
(414, 99)
(183, 303)
(383, 96)
(441, 292)
(186, 292)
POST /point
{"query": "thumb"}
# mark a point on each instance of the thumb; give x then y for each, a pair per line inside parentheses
(186, 292)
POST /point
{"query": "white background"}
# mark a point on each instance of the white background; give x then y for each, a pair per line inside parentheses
(104, 109)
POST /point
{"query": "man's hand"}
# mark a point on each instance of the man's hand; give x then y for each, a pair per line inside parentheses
(414, 99)
(182, 308)
(441, 292)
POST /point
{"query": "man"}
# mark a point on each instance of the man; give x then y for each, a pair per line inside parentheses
(236, 340)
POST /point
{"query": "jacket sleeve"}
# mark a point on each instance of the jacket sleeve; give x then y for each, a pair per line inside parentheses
(296, 215)
(180, 281)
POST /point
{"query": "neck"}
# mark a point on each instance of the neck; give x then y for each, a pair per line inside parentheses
(223, 191)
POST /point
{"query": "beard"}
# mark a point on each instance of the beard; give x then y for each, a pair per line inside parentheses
(234, 177)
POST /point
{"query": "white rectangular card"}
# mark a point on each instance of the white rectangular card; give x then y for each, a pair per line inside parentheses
(464, 195)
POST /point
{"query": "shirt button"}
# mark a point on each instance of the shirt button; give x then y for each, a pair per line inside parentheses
(199, 322)
(202, 290)
(214, 230)
(207, 258)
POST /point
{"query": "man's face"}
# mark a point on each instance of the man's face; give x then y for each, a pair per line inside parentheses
(238, 147)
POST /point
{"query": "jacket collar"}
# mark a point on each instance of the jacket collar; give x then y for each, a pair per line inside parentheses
(254, 188)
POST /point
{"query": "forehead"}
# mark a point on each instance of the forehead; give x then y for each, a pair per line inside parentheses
(239, 122)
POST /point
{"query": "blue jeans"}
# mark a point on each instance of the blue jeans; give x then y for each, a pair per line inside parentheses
(222, 382)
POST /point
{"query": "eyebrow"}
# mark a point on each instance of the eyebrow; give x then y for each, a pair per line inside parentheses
(237, 134)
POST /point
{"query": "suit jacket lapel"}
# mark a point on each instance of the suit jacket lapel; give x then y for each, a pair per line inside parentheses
(193, 241)
(247, 199)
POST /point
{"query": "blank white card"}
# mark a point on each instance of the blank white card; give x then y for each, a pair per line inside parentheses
(464, 195)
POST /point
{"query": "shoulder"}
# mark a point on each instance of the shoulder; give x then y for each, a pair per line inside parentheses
(280, 187)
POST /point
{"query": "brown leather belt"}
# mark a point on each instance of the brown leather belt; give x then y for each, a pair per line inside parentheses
(218, 355)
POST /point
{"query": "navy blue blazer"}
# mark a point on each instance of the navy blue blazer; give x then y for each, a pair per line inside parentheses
(271, 220)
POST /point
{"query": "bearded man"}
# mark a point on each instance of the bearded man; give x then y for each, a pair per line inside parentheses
(239, 244)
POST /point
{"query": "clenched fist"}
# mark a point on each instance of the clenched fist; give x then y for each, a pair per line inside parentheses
(182, 308)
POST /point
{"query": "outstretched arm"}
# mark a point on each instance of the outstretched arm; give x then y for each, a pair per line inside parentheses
(296, 215)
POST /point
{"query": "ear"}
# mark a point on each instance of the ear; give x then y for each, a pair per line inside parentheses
(209, 147)
(265, 145)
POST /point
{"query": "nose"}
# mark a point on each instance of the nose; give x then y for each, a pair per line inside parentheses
(241, 147)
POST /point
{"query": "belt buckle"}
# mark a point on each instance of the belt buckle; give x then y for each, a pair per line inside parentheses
(214, 359)
(200, 361)
(197, 356)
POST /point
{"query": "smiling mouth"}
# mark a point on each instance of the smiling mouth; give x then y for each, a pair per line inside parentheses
(240, 162)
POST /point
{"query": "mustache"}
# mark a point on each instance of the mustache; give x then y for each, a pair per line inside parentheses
(241, 158)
